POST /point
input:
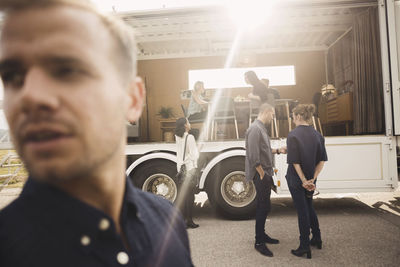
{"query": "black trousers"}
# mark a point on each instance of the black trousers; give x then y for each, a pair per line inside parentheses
(186, 191)
(263, 198)
(307, 218)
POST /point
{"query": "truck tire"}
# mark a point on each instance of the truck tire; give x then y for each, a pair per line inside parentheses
(157, 177)
(232, 196)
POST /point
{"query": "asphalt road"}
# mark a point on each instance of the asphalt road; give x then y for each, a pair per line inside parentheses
(353, 233)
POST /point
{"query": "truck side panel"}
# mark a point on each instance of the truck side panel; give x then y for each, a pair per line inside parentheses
(355, 164)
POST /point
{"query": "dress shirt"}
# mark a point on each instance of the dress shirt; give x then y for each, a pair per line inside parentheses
(258, 150)
(45, 226)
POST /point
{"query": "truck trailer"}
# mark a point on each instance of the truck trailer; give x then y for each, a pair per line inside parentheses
(357, 163)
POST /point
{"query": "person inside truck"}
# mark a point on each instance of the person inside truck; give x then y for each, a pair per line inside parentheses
(197, 109)
(69, 75)
(187, 155)
(306, 155)
(259, 92)
(272, 93)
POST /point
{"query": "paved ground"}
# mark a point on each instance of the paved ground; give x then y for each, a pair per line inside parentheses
(357, 230)
(354, 234)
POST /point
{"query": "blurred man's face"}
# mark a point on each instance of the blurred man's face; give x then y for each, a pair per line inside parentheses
(63, 98)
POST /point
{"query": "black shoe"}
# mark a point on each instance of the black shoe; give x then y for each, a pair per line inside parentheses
(316, 243)
(191, 225)
(262, 248)
(270, 240)
(301, 251)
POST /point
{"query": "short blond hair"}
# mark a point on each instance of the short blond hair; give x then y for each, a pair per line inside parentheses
(121, 33)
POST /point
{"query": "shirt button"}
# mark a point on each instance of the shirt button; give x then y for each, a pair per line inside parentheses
(122, 258)
(104, 224)
(85, 240)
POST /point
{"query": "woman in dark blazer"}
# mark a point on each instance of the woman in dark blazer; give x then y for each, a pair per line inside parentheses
(306, 155)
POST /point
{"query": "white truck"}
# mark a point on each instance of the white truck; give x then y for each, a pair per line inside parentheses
(363, 163)
(357, 164)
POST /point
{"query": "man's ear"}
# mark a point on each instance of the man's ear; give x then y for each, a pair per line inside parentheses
(136, 94)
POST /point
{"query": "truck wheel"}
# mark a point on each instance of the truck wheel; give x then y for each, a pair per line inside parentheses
(233, 196)
(157, 177)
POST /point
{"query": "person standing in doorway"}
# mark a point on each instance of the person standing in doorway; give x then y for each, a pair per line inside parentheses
(259, 169)
(306, 155)
(187, 154)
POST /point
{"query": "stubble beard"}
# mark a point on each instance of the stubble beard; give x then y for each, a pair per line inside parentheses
(83, 166)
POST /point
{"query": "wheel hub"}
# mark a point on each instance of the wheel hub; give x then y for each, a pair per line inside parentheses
(236, 191)
(162, 189)
(161, 184)
(238, 187)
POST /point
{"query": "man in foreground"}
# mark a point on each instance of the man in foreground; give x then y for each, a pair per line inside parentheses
(259, 169)
(70, 84)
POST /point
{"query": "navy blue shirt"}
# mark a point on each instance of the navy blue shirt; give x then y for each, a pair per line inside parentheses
(46, 227)
(305, 146)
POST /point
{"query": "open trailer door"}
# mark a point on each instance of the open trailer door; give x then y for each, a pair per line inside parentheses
(392, 33)
(367, 163)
